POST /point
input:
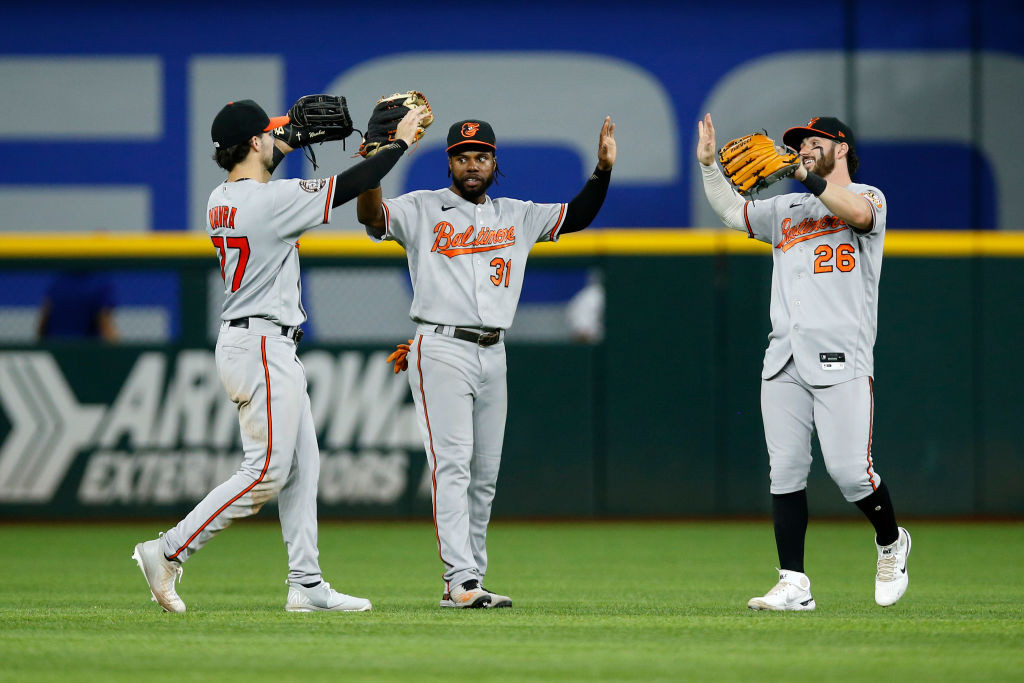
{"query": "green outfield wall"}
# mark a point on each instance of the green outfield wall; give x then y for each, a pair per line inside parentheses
(660, 419)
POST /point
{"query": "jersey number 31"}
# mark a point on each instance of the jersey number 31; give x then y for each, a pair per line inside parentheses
(502, 271)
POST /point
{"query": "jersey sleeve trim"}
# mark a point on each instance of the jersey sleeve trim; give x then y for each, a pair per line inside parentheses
(746, 220)
(330, 196)
(864, 232)
(872, 196)
(387, 219)
(874, 217)
(553, 235)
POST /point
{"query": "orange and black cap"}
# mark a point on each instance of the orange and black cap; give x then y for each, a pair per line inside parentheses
(471, 132)
(238, 121)
(822, 126)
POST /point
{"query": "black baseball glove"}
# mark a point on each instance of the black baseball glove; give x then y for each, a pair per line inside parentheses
(385, 116)
(314, 119)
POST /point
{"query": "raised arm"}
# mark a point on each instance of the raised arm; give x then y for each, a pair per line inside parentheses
(370, 213)
(281, 150)
(583, 208)
(368, 173)
(853, 209)
(724, 199)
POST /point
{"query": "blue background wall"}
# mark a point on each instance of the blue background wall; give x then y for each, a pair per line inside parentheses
(695, 53)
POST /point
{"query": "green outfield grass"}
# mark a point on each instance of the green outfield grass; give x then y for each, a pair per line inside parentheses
(645, 601)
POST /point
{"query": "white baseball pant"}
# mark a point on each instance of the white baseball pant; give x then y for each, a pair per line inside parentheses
(843, 415)
(265, 379)
(459, 389)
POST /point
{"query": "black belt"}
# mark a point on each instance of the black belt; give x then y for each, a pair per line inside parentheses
(481, 338)
(290, 332)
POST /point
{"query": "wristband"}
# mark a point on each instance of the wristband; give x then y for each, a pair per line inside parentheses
(814, 183)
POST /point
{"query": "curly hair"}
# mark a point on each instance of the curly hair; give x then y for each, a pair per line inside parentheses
(852, 162)
(232, 156)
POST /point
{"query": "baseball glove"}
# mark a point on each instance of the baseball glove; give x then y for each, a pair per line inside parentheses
(753, 162)
(398, 357)
(315, 118)
(385, 116)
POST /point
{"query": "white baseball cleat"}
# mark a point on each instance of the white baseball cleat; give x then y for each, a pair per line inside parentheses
(497, 600)
(323, 598)
(892, 578)
(791, 594)
(160, 574)
(468, 595)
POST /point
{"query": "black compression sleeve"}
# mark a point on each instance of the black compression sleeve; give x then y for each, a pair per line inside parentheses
(278, 158)
(584, 207)
(367, 174)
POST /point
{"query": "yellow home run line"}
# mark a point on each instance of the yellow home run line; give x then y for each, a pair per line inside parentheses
(632, 242)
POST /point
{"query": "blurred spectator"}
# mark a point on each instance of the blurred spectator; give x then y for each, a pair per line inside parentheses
(78, 304)
(585, 311)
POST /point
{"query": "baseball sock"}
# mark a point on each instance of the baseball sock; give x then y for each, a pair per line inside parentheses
(789, 513)
(878, 509)
(311, 585)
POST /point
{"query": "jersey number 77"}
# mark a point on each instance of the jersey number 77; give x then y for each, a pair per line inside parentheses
(242, 245)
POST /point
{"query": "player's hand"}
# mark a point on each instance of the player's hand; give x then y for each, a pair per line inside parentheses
(606, 149)
(409, 127)
(706, 141)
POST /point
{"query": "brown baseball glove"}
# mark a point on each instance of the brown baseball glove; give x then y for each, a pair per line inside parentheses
(398, 357)
(385, 116)
(753, 162)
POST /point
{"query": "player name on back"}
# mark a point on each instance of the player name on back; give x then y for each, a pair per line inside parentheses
(223, 217)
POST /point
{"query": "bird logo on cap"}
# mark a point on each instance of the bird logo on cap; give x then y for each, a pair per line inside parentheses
(470, 129)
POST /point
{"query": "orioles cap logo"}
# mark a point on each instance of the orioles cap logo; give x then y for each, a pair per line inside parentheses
(813, 121)
(470, 129)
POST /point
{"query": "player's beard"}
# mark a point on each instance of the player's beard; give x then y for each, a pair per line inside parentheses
(472, 193)
(824, 165)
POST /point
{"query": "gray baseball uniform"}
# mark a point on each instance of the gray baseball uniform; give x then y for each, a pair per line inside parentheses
(467, 262)
(255, 228)
(818, 366)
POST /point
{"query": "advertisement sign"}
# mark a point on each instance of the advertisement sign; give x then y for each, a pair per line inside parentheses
(164, 434)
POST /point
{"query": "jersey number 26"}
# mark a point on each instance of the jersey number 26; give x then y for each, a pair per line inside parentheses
(844, 258)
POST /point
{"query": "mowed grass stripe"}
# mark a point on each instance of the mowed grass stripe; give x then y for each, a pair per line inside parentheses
(616, 601)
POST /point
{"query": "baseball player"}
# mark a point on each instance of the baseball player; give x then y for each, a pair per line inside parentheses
(467, 254)
(255, 224)
(827, 254)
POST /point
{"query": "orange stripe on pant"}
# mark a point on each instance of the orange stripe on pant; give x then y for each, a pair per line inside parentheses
(430, 438)
(266, 460)
(871, 430)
